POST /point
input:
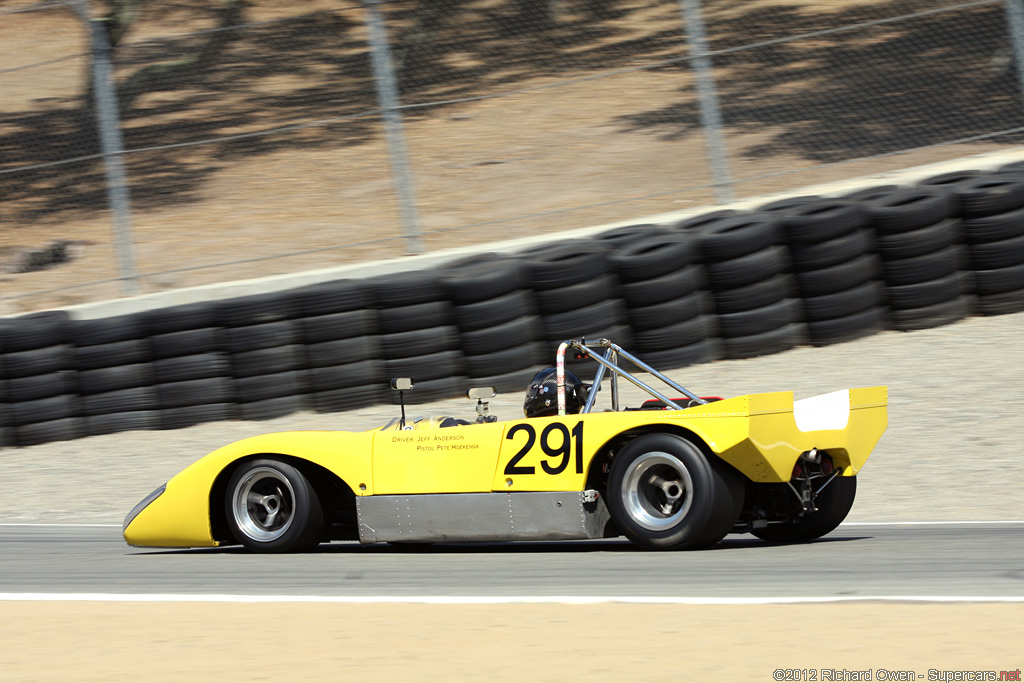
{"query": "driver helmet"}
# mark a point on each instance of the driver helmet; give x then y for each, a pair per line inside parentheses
(542, 394)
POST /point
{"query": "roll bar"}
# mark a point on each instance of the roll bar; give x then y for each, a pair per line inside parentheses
(610, 361)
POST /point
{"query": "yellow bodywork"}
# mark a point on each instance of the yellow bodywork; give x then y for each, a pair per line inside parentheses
(761, 435)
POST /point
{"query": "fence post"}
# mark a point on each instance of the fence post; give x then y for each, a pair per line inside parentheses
(1015, 20)
(108, 125)
(387, 94)
(710, 113)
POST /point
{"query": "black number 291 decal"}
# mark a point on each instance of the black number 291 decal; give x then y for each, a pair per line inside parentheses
(558, 444)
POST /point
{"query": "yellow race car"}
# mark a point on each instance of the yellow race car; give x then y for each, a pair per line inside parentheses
(670, 473)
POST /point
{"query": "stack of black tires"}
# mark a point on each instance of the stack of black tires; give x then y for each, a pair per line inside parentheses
(42, 397)
(498, 327)
(341, 337)
(192, 369)
(113, 360)
(418, 336)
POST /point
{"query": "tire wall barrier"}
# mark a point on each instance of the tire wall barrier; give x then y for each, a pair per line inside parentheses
(725, 284)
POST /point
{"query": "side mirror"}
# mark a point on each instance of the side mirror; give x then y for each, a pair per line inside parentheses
(480, 393)
(402, 384)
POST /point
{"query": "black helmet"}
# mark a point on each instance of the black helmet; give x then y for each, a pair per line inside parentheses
(542, 394)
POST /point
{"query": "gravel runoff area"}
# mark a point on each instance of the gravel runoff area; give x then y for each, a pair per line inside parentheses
(951, 452)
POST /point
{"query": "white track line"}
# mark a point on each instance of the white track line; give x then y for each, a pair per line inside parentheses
(912, 523)
(490, 600)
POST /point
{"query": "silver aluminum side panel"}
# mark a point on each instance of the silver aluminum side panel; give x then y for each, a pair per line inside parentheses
(464, 517)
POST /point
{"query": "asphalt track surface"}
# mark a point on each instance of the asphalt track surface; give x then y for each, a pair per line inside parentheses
(970, 560)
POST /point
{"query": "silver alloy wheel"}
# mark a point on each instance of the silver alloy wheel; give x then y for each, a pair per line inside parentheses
(657, 491)
(263, 504)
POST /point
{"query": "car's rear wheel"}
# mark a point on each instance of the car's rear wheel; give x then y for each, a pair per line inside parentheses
(666, 494)
(272, 508)
(833, 502)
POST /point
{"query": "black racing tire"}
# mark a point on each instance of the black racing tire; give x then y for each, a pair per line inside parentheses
(271, 507)
(661, 289)
(908, 210)
(419, 342)
(35, 362)
(700, 220)
(845, 303)
(830, 252)
(426, 367)
(188, 416)
(1015, 167)
(194, 316)
(343, 351)
(618, 238)
(106, 330)
(833, 504)
(267, 361)
(348, 398)
(506, 360)
(36, 387)
(407, 288)
(666, 313)
(45, 409)
(847, 328)
(872, 193)
(187, 342)
(359, 374)
(1000, 304)
(704, 351)
(120, 401)
(254, 309)
(931, 266)
(64, 429)
(753, 296)
(271, 386)
(926, 293)
(184, 368)
(999, 280)
(109, 355)
(927, 317)
(990, 195)
(415, 317)
(491, 312)
(270, 408)
(433, 390)
(839, 278)
(648, 258)
(482, 277)
(579, 295)
(507, 335)
(765, 343)
(1001, 254)
(950, 184)
(582, 321)
(786, 205)
(558, 265)
(1001, 226)
(919, 242)
(115, 378)
(265, 336)
(673, 336)
(328, 298)
(737, 236)
(28, 334)
(759, 320)
(196, 392)
(746, 270)
(823, 221)
(112, 423)
(342, 325)
(665, 493)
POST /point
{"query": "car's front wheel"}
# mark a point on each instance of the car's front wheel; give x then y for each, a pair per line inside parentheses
(272, 508)
(665, 493)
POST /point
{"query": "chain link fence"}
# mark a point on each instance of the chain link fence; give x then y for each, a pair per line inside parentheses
(257, 138)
